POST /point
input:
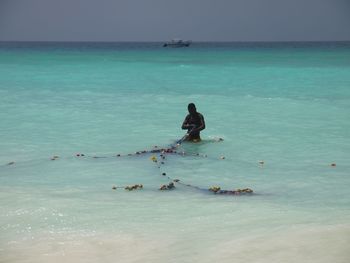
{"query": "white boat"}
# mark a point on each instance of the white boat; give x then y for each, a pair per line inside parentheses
(177, 43)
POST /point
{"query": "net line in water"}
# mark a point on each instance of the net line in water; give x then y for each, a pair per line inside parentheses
(158, 156)
(171, 185)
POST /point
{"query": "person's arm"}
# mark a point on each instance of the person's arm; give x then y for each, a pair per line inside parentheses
(185, 125)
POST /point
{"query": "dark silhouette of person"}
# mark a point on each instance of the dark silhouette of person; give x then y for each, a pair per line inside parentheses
(193, 123)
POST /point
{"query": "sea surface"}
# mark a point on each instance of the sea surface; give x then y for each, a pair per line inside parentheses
(283, 110)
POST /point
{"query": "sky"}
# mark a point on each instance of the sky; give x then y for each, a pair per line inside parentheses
(161, 20)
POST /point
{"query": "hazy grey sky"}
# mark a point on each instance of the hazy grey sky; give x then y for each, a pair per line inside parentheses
(158, 20)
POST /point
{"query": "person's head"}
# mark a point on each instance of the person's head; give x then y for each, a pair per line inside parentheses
(191, 108)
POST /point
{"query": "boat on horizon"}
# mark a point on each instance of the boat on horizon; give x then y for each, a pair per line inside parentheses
(177, 43)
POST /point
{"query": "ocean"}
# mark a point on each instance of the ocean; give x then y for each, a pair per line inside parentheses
(68, 110)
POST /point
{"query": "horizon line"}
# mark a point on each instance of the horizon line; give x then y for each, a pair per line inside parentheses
(162, 41)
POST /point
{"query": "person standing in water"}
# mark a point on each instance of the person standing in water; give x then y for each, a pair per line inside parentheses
(193, 123)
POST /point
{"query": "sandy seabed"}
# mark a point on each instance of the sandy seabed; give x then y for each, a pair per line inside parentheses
(297, 244)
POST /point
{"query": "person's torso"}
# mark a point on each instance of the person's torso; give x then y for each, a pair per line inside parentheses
(195, 119)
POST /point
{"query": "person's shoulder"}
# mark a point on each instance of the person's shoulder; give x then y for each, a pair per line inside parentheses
(200, 114)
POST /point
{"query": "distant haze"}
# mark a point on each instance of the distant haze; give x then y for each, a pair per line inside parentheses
(159, 20)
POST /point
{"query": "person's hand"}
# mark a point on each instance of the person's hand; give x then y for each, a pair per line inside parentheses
(191, 131)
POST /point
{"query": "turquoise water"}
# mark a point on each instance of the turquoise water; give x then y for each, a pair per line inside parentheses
(286, 104)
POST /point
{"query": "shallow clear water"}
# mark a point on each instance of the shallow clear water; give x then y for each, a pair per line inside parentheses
(285, 104)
